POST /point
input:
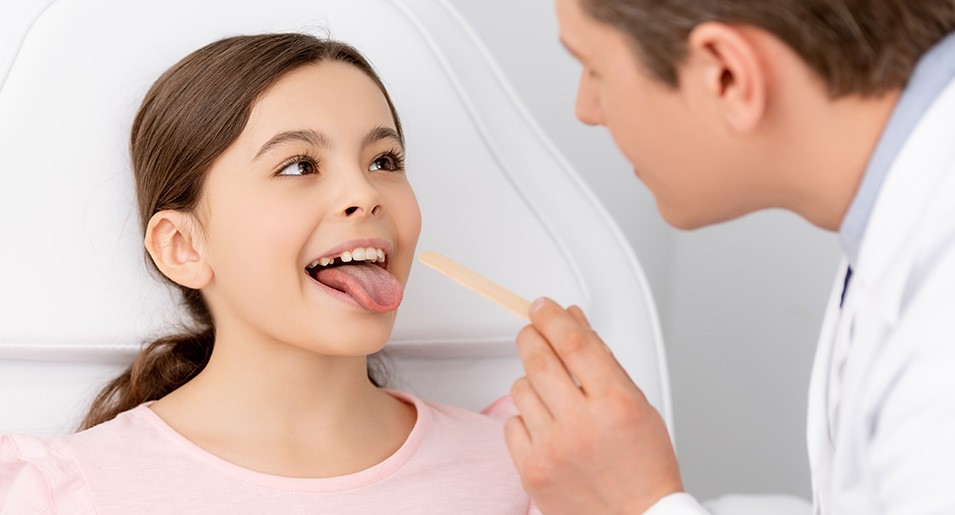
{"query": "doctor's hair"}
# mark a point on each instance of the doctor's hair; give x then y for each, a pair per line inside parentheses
(190, 116)
(864, 47)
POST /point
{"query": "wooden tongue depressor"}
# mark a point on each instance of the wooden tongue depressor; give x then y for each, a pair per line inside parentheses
(475, 281)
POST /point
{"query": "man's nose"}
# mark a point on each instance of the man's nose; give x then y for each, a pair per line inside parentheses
(588, 104)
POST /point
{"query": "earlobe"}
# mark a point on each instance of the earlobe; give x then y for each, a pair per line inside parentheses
(730, 71)
(175, 245)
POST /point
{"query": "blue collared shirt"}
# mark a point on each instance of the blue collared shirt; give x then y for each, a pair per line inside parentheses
(934, 71)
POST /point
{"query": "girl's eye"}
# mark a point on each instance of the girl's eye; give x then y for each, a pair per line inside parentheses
(299, 166)
(389, 162)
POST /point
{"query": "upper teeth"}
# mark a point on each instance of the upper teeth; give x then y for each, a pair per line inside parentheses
(369, 254)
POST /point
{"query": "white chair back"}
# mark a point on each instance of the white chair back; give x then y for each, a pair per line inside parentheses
(76, 300)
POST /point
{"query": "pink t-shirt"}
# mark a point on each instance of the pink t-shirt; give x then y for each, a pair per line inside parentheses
(454, 461)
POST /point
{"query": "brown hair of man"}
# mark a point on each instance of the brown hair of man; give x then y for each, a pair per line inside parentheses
(864, 47)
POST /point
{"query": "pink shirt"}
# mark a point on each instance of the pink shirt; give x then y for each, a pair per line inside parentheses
(454, 461)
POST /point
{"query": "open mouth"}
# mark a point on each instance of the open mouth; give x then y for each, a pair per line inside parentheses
(362, 275)
(360, 254)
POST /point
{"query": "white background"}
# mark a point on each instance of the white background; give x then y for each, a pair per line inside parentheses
(741, 303)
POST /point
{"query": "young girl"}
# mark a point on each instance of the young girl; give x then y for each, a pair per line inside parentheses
(271, 186)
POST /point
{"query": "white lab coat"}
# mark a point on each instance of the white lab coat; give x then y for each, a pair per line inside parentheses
(881, 427)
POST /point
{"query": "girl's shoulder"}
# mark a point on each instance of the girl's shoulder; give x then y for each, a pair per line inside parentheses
(461, 448)
(446, 433)
(43, 475)
(443, 417)
(38, 475)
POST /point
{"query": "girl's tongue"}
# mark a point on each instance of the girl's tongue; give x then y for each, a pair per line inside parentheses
(372, 287)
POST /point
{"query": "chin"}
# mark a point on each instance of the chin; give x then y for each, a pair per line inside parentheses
(681, 218)
(345, 338)
(688, 219)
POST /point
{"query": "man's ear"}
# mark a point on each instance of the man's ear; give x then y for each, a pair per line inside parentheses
(175, 244)
(726, 67)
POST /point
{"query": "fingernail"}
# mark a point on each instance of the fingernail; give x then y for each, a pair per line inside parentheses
(537, 305)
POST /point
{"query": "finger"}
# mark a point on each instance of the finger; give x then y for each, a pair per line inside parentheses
(578, 347)
(554, 384)
(537, 418)
(578, 315)
(518, 440)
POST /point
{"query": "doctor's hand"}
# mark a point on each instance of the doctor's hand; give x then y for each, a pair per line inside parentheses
(596, 448)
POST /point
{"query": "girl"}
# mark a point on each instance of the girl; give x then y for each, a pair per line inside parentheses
(271, 187)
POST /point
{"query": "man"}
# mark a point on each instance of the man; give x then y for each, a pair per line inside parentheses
(841, 111)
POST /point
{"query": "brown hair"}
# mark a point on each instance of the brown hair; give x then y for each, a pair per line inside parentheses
(193, 113)
(865, 47)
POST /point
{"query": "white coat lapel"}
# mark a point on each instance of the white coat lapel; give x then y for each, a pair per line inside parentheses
(874, 298)
(817, 422)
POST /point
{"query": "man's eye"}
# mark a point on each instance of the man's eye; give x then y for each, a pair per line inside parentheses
(299, 166)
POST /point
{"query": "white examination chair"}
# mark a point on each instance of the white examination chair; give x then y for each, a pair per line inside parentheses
(76, 300)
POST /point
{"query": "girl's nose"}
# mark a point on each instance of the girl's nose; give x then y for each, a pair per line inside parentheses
(359, 197)
(358, 210)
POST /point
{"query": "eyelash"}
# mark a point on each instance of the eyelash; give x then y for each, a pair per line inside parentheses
(396, 156)
(301, 158)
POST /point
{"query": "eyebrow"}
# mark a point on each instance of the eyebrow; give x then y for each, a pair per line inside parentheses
(381, 133)
(319, 139)
(306, 136)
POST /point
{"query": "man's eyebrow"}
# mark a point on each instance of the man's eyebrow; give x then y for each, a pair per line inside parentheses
(306, 136)
(379, 133)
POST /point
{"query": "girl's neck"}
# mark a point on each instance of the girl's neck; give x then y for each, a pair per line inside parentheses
(283, 410)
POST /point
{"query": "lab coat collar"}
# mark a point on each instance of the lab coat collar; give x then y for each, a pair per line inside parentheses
(922, 164)
(932, 74)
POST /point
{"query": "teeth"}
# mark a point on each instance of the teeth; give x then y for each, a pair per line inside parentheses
(368, 254)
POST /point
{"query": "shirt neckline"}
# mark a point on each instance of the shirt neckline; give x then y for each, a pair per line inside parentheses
(359, 479)
(932, 74)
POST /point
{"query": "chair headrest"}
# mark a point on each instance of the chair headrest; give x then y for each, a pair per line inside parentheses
(494, 193)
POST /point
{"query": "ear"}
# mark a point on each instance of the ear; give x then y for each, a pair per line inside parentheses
(175, 244)
(726, 66)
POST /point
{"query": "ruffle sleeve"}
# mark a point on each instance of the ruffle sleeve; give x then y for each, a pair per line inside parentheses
(38, 477)
(502, 408)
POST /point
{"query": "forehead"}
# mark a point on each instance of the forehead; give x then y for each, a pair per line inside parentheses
(332, 97)
(568, 14)
(584, 36)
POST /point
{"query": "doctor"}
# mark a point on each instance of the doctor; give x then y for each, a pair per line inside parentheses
(839, 110)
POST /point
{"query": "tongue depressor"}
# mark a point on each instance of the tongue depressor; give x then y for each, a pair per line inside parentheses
(477, 283)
